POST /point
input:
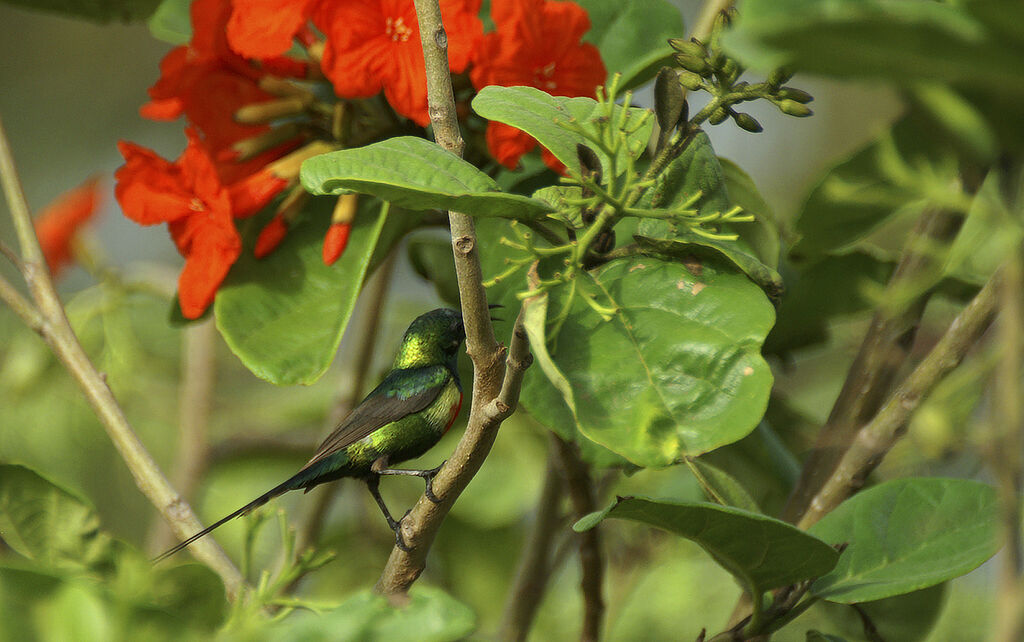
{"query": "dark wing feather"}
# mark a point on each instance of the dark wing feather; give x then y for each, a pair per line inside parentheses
(402, 393)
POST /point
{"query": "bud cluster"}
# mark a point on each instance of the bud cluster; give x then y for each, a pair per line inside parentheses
(705, 66)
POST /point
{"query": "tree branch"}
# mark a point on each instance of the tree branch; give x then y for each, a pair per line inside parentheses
(882, 353)
(1004, 450)
(57, 332)
(495, 388)
(536, 562)
(581, 493)
(195, 392)
(875, 439)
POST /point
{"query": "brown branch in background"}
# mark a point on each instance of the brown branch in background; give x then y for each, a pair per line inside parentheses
(582, 495)
(874, 440)
(882, 353)
(374, 293)
(53, 326)
(195, 396)
(1006, 445)
(537, 560)
(496, 379)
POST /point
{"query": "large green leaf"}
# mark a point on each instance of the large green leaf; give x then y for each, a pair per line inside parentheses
(95, 10)
(633, 36)
(418, 175)
(547, 118)
(676, 370)
(859, 194)
(903, 40)
(49, 524)
(906, 535)
(431, 615)
(831, 286)
(760, 551)
(698, 171)
(763, 234)
(284, 315)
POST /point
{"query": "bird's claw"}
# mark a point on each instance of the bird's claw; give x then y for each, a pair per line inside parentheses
(399, 540)
(428, 477)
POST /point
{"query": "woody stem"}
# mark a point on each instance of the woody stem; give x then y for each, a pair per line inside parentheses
(52, 324)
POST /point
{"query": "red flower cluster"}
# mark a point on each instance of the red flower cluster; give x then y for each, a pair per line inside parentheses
(248, 104)
(58, 224)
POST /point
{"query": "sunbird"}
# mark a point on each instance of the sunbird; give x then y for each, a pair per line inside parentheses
(401, 419)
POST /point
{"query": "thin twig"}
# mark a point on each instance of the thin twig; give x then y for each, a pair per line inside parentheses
(62, 340)
(1005, 447)
(195, 393)
(495, 384)
(536, 562)
(21, 306)
(581, 493)
(874, 440)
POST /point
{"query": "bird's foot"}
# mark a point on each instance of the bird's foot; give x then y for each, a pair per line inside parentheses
(399, 539)
(428, 477)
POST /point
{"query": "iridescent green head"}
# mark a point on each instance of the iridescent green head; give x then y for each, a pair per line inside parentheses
(432, 339)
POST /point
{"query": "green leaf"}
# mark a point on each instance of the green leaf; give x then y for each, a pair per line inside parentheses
(431, 615)
(763, 234)
(906, 535)
(760, 551)
(418, 175)
(721, 487)
(676, 370)
(900, 41)
(818, 636)
(49, 524)
(834, 285)
(95, 10)
(633, 36)
(907, 618)
(546, 117)
(989, 233)
(858, 195)
(697, 170)
(171, 22)
(686, 246)
(284, 315)
(535, 317)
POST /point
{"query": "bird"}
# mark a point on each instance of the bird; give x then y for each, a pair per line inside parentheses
(401, 419)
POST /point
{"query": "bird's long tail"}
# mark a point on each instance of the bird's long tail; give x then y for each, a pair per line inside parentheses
(291, 484)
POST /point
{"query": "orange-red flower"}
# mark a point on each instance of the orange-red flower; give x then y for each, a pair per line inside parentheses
(265, 28)
(207, 82)
(57, 225)
(199, 209)
(375, 44)
(537, 44)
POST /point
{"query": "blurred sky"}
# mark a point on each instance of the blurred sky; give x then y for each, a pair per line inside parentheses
(71, 89)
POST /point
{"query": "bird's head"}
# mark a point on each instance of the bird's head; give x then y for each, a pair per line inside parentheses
(432, 338)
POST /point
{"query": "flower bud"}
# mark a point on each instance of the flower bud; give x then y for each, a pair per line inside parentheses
(747, 122)
(687, 47)
(792, 93)
(695, 64)
(779, 76)
(691, 80)
(793, 108)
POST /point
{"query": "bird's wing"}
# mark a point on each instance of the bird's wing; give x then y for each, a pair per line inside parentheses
(402, 393)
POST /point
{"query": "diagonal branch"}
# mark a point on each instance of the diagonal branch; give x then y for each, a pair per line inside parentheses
(495, 385)
(874, 440)
(53, 326)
